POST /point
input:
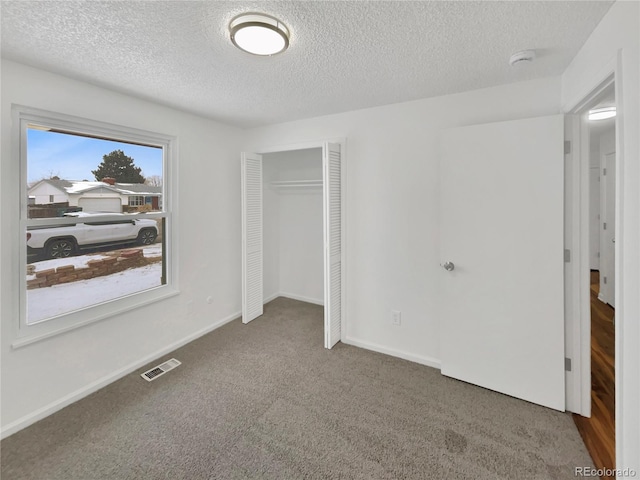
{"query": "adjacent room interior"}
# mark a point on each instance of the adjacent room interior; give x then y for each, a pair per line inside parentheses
(384, 241)
(598, 430)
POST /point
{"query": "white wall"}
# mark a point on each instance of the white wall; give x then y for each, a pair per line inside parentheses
(392, 250)
(43, 376)
(299, 247)
(43, 191)
(607, 144)
(617, 40)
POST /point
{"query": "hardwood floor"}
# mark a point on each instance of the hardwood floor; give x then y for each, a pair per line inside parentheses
(598, 432)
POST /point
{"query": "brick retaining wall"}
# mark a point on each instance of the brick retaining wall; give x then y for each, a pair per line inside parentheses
(126, 259)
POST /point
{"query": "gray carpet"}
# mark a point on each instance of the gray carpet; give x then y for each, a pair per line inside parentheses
(267, 401)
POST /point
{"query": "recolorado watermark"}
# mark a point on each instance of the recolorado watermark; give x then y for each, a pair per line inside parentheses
(605, 472)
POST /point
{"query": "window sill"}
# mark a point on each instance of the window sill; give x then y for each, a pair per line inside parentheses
(41, 331)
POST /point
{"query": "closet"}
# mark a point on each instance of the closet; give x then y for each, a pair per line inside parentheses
(292, 226)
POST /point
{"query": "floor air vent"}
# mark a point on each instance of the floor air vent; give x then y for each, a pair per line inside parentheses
(155, 372)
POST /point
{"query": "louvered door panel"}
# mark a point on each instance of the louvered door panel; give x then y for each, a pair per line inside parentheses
(332, 168)
(251, 236)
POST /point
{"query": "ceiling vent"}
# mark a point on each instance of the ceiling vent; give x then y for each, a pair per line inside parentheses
(155, 372)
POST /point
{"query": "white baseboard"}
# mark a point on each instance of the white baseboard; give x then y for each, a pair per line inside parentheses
(67, 400)
(270, 297)
(428, 361)
(293, 296)
(301, 298)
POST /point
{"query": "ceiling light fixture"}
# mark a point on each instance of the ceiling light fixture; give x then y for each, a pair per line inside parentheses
(259, 34)
(602, 113)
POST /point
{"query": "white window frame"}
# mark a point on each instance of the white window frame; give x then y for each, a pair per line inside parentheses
(23, 117)
(137, 202)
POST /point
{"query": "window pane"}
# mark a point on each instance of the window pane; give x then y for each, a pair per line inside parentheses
(70, 267)
(68, 172)
(96, 258)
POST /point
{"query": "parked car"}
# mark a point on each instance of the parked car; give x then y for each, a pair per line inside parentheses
(90, 231)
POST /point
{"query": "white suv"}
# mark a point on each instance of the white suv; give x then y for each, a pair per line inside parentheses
(90, 231)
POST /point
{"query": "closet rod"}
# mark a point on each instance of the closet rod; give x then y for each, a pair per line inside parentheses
(297, 183)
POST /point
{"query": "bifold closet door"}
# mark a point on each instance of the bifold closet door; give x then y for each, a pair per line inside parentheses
(251, 236)
(332, 192)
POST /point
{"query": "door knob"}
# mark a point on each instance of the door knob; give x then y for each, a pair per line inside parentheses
(448, 266)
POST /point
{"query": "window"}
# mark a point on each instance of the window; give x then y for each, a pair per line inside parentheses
(86, 256)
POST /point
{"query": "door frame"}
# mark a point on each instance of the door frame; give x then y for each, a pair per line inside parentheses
(343, 203)
(577, 301)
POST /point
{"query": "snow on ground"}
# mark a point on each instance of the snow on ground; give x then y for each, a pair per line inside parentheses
(59, 299)
(80, 261)
(154, 250)
(51, 301)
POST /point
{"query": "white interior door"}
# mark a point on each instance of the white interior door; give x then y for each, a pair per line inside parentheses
(252, 293)
(608, 228)
(502, 228)
(332, 191)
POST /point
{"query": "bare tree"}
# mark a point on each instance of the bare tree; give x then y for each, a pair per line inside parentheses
(153, 181)
(49, 176)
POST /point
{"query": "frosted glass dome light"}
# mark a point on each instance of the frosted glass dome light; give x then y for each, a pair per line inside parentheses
(602, 113)
(259, 34)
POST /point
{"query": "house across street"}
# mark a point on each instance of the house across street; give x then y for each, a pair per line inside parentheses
(104, 196)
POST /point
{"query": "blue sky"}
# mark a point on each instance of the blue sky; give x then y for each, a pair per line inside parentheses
(71, 157)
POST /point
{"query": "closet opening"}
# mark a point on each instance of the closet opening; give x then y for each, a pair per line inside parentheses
(292, 241)
(293, 262)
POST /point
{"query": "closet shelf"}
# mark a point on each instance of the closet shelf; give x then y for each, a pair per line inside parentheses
(297, 184)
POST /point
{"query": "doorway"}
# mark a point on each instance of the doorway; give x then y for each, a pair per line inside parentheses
(599, 125)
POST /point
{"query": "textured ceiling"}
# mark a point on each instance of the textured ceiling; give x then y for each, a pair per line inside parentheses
(343, 55)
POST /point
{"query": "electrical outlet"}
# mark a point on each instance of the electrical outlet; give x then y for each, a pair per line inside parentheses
(396, 317)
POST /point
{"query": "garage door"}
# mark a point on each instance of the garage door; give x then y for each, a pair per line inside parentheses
(112, 205)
